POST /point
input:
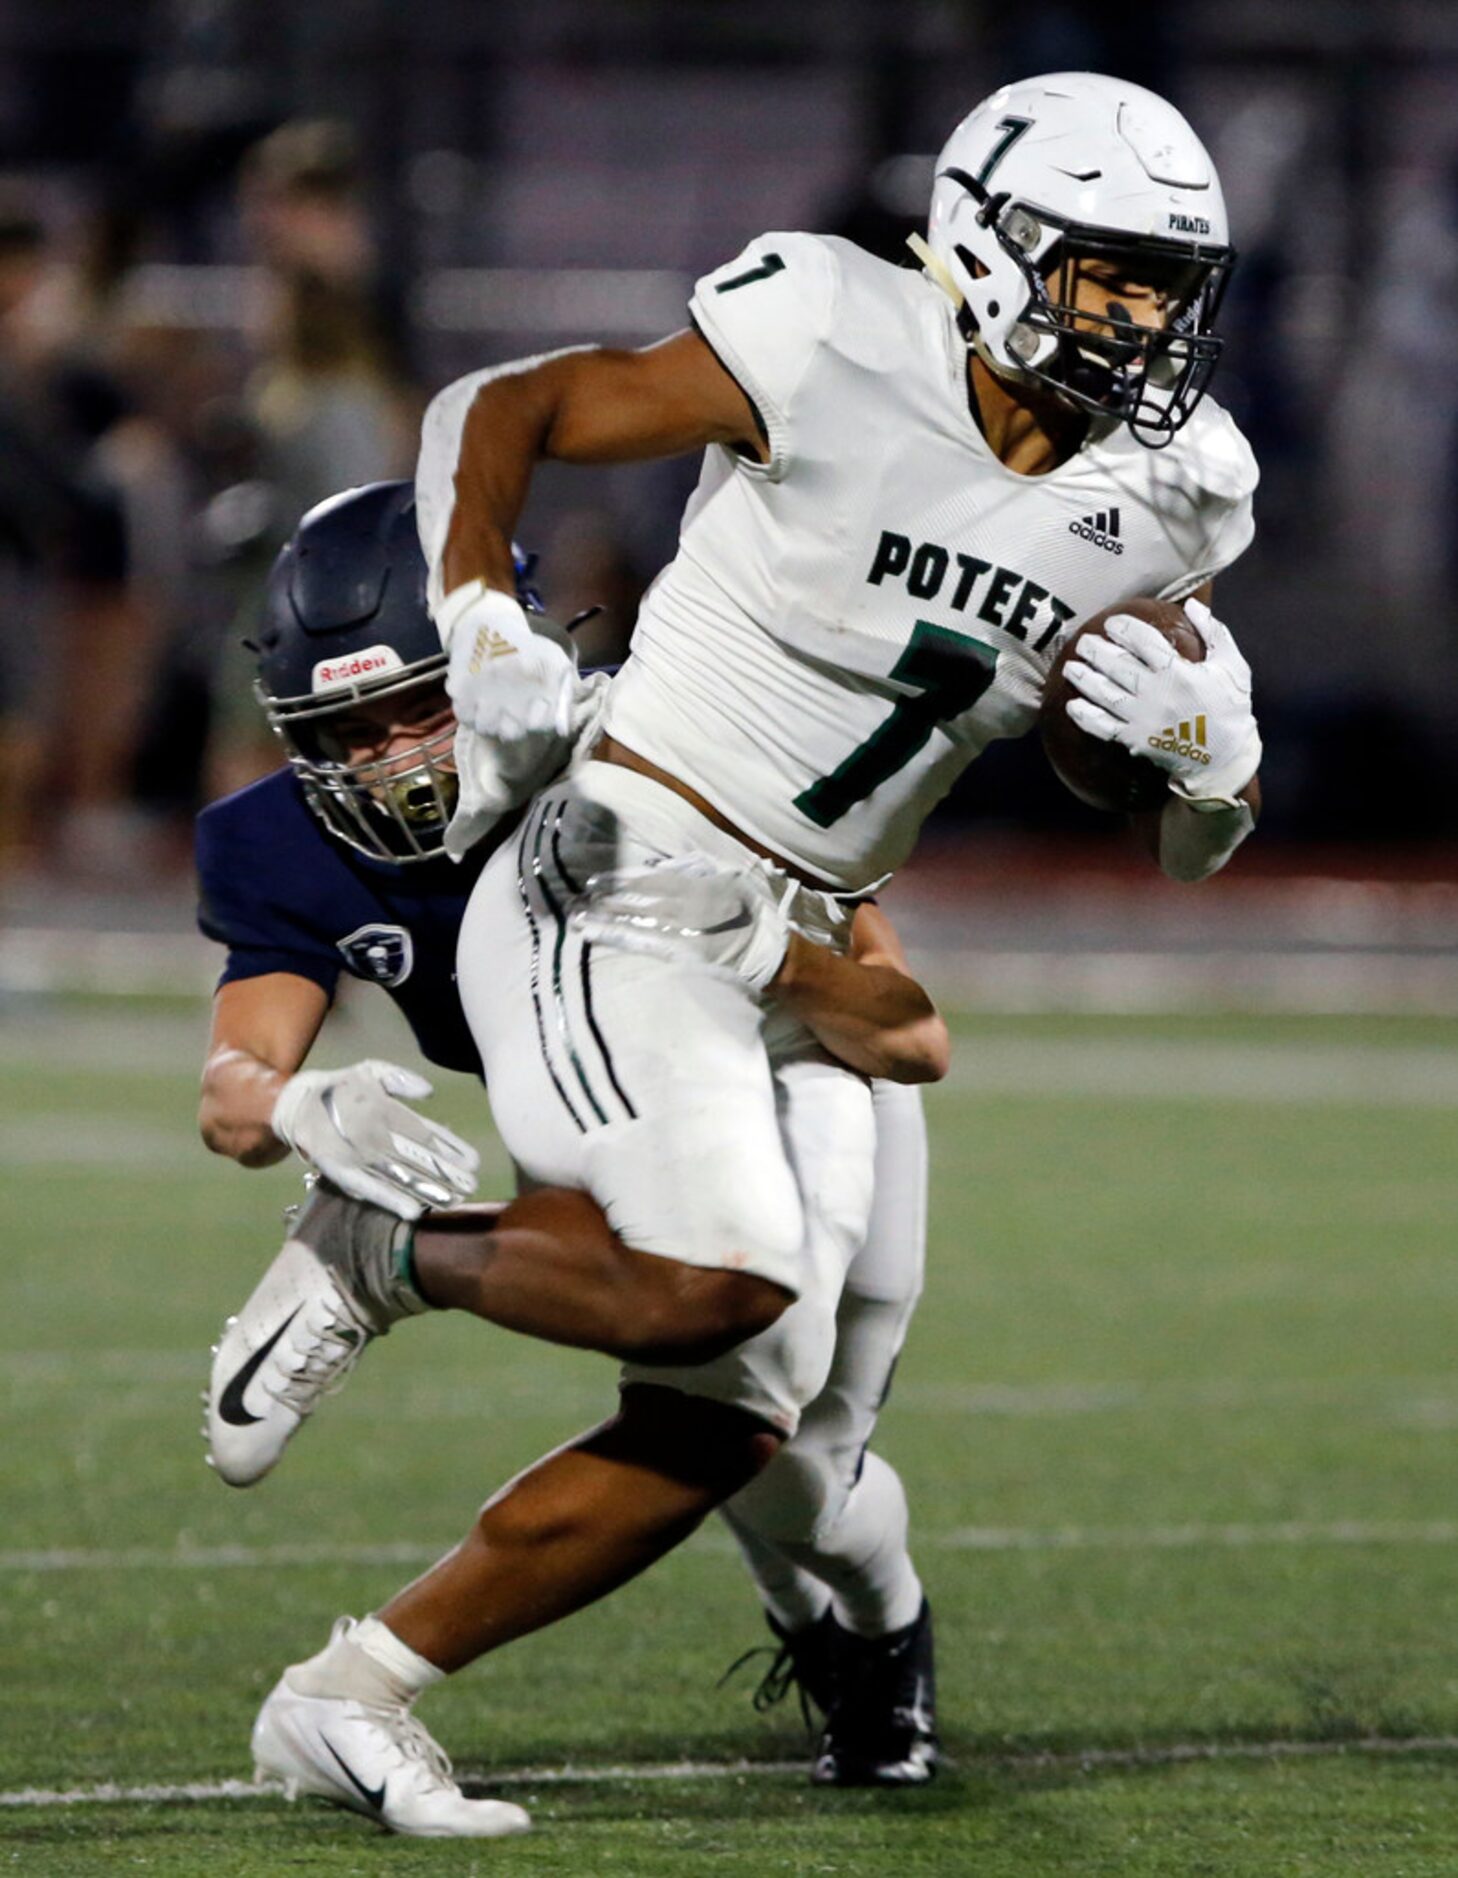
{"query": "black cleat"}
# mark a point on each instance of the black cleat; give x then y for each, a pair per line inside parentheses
(881, 1727)
(805, 1661)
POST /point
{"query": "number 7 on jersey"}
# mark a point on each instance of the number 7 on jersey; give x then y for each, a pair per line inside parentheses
(951, 671)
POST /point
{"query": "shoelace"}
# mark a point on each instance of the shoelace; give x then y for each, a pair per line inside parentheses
(336, 1343)
(411, 1748)
(419, 1748)
(776, 1682)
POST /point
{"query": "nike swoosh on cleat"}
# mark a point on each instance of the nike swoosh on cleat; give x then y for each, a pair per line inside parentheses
(727, 925)
(374, 1796)
(230, 1403)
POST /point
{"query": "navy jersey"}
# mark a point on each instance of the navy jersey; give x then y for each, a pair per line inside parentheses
(283, 897)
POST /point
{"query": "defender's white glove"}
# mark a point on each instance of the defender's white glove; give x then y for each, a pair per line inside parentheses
(349, 1124)
(1192, 719)
(732, 919)
(506, 677)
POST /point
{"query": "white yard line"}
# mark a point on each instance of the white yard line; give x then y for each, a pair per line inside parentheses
(1419, 1396)
(108, 1791)
(1191, 1537)
(1376, 965)
(1424, 1403)
(1174, 1754)
(1195, 1537)
(215, 1557)
(1219, 981)
(1133, 1068)
(1205, 1070)
(96, 1140)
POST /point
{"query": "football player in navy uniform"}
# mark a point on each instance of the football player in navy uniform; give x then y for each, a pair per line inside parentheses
(334, 865)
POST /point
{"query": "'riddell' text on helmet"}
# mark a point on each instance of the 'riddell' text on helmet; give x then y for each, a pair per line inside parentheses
(1075, 169)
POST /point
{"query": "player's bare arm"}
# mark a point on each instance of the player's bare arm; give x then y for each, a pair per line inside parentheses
(352, 1125)
(866, 1008)
(596, 405)
(862, 1004)
(263, 1029)
(510, 678)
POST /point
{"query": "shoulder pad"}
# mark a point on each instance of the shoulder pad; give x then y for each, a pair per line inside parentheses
(1220, 461)
(765, 313)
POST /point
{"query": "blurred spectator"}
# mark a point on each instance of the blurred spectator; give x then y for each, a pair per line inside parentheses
(182, 441)
(328, 396)
(71, 644)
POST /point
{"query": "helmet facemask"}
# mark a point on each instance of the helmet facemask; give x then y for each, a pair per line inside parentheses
(1148, 377)
(1109, 365)
(393, 807)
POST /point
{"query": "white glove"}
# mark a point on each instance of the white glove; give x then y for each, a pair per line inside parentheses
(1193, 720)
(732, 919)
(506, 677)
(496, 778)
(349, 1124)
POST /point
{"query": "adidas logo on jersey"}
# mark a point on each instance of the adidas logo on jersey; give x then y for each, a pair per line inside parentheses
(1101, 529)
(1181, 740)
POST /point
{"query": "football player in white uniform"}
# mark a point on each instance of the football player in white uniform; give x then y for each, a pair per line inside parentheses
(915, 486)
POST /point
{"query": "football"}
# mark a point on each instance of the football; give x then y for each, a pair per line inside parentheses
(1105, 775)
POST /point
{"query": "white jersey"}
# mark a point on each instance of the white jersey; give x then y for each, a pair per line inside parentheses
(845, 627)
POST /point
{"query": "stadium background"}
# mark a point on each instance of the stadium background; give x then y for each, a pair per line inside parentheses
(240, 242)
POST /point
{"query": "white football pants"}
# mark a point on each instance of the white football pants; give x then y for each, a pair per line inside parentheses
(707, 1131)
(827, 1517)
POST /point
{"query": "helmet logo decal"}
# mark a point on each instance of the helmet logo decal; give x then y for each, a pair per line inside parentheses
(1012, 128)
(1189, 224)
(348, 670)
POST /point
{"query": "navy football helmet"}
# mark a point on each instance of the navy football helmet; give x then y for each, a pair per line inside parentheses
(346, 626)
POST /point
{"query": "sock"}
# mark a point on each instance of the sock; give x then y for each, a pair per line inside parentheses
(365, 1662)
(389, 1277)
(794, 1598)
(402, 1261)
(863, 1557)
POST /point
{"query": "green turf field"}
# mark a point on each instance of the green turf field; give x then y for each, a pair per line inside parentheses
(1178, 1422)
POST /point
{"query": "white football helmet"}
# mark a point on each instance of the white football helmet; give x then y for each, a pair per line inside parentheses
(1074, 167)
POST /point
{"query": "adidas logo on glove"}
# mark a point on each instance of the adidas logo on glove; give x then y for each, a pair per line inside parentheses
(1180, 740)
(488, 644)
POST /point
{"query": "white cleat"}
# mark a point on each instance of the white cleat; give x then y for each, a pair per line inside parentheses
(331, 1290)
(377, 1761)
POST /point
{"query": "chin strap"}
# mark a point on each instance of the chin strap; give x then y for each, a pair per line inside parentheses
(936, 269)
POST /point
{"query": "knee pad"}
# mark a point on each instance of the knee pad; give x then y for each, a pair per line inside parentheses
(798, 1496)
